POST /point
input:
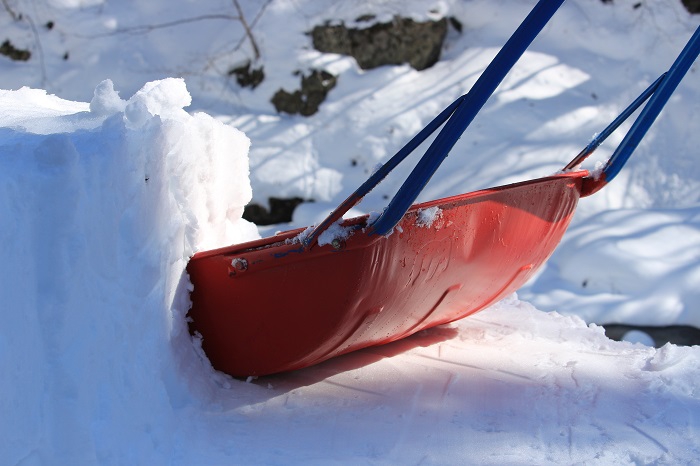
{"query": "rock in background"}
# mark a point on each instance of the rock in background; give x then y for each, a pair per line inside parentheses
(401, 41)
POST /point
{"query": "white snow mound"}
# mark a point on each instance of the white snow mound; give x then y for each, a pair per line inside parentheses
(101, 206)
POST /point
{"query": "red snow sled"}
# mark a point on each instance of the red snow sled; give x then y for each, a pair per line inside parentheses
(303, 296)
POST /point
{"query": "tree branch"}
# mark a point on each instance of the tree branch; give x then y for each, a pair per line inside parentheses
(12, 13)
(248, 32)
(150, 27)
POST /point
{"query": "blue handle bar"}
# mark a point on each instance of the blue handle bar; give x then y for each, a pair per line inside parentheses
(458, 116)
(652, 109)
(626, 113)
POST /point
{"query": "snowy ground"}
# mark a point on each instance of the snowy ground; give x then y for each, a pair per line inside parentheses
(104, 196)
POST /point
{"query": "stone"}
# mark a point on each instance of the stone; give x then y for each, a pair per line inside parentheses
(280, 211)
(305, 101)
(14, 53)
(693, 6)
(247, 76)
(401, 41)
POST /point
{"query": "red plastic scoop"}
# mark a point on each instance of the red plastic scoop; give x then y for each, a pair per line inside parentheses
(299, 298)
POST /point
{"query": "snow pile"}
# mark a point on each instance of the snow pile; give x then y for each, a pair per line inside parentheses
(101, 206)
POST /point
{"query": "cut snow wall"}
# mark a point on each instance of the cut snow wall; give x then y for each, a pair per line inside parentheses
(101, 206)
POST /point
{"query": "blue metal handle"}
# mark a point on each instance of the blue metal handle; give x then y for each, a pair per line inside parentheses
(458, 116)
(380, 174)
(626, 113)
(652, 109)
(473, 101)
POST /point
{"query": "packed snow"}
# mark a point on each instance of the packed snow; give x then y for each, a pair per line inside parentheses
(125, 147)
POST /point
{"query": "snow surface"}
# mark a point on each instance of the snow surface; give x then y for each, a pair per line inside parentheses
(103, 199)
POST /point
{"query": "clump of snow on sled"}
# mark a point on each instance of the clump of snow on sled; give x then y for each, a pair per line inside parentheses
(426, 217)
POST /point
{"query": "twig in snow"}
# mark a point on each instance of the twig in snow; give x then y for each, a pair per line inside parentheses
(248, 32)
(15, 16)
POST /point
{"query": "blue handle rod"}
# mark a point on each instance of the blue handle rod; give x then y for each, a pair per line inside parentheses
(458, 117)
(381, 173)
(473, 101)
(652, 109)
(598, 139)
